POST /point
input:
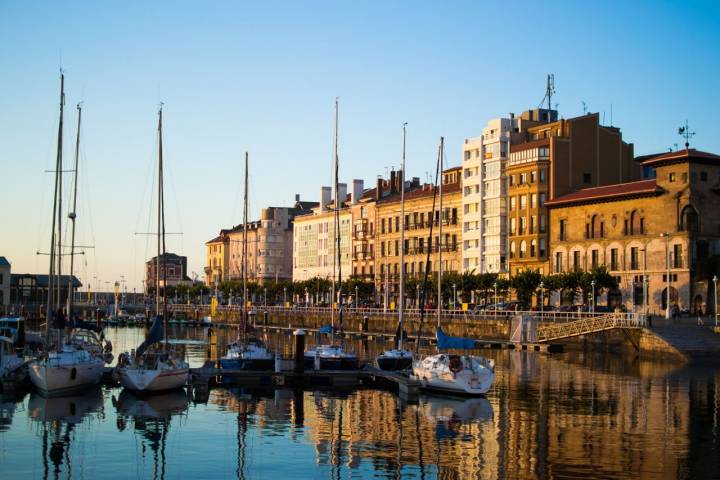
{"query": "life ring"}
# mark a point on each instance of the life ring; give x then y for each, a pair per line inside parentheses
(455, 365)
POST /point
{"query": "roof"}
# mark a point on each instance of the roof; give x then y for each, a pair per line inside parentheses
(41, 280)
(608, 193)
(425, 190)
(4, 262)
(169, 256)
(681, 156)
(519, 147)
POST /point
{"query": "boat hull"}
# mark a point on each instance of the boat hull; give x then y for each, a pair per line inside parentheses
(330, 363)
(144, 380)
(61, 380)
(394, 363)
(254, 364)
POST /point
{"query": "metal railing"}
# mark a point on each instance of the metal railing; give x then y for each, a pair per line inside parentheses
(592, 324)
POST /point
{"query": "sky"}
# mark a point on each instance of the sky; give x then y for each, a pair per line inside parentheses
(262, 77)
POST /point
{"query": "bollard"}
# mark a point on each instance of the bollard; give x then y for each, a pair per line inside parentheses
(365, 323)
(278, 363)
(299, 366)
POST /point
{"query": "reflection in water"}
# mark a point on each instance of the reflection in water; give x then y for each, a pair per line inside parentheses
(547, 416)
(150, 416)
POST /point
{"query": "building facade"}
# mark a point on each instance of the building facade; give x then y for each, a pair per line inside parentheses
(555, 159)
(644, 229)
(419, 216)
(32, 289)
(484, 182)
(173, 270)
(4, 281)
(217, 254)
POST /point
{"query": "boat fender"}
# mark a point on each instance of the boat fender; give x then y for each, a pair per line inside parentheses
(455, 365)
(73, 373)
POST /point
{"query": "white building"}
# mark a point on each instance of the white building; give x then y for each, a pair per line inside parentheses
(485, 190)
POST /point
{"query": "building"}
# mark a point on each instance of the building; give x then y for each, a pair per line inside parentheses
(32, 289)
(173, 270)
(640, 230)
(314, 240)
(555, 159)
(270, 243)
(419, 215)
(364, 214)
(485, 190)
(4, 281)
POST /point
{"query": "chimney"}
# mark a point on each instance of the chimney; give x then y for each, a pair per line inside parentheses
(297, 197)
(400, 179)
(379, 189)
(415, 182)
(357, 190)
(342, 193)
(393, 184)
(324, 198)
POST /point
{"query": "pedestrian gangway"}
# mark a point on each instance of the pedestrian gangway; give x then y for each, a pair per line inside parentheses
(591, 324)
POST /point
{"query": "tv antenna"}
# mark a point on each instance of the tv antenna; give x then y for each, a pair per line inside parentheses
(549, 91)
(584, 107)
(686, 134)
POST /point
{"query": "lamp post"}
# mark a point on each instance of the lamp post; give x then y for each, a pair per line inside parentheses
(454, 296)
(284, 296)
(715, 280)
(495, 288)
(646, 296)
(593, 296)
(542, 298)
(265, 296)
(417, 296)
(307, 299)
(666, 235)
(356, 296)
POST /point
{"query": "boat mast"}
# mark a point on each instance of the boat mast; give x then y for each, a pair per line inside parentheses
(244, 254)
(58, 168)
(58, 251)
(336, 233)
(73, 215)
(440, 234)
(402, 243)
(161, 235)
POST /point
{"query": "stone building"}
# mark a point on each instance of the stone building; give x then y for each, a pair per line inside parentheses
(558, 158)
(4, 282)
(217, 254)
(419, 215)
(644, 229)
(364, 214)
(173, 270)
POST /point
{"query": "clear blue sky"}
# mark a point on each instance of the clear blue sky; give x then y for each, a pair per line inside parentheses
(262, 77)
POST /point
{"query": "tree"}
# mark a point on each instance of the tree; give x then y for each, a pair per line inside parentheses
(525, 284)
(553, 283)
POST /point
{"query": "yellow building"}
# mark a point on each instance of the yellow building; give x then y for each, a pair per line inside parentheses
(558, 158)
(642, 230)
(217, 258)
(419, 215)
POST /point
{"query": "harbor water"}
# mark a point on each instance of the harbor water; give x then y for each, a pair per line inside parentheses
(571, 415)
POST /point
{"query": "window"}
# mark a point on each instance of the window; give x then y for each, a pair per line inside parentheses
(671, 177)
(523, 178)
(523, 249)
(541, 251)
(533, 177)
(613, 259)
(542, 175)
(587, 178)
(677, 256)
(523, 201)
(397, 247)
(532, 224)
(511, 179)
(512, 203)
(634, 258)
(703, 176)
(533, 244)
(637, 224)
(558, 262)
(543, 223)
(576, 260)
(689, 220)
(382, 249)
(594, 258)
(533, 200)
(397, 224)
(523, 226)
(512, 249)
(563, 230)
(541, 201)
(512, 226)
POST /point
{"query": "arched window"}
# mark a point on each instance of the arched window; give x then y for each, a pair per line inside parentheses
(512, 249)
(533, 247)
(689, 221)
(596, 227)
(635, 223)
(523, 249)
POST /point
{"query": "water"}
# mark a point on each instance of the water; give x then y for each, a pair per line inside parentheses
(575, 415)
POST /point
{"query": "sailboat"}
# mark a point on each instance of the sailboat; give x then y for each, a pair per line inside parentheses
(334, 357)
(246, 353)
(154, 367)
(399, 358)
(68, 364)
(458, 374)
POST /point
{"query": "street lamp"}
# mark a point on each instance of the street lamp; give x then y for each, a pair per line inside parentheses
(284, 296)
(666, 235)
(454, 296)
(356, 296)
(265, 296)
(593, 296)
(417, 296)
(495, 288)
(542, 298)
(715, 280)
(646, 296)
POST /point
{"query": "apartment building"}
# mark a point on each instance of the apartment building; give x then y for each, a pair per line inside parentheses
(644, 229)
(4, 281)
(555, 159)
(173, 270)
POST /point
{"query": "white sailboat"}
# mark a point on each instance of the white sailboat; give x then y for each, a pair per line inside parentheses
(154, 366)
(68, 364)
(334, 357)
(246, 353)
(457, 374)
(399, 358)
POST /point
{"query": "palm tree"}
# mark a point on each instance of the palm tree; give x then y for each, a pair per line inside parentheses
(525, 284)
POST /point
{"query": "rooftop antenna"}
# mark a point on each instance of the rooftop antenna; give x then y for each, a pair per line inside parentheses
(686, 134)
(611, 115)
(676, 146)
(584, 107)
(549, 91)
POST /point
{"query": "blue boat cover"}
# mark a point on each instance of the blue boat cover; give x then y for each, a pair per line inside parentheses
(155, 335)
(445, 342)
(326, 329)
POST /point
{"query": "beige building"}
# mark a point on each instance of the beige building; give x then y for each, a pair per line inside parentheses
(314, 240)
(217, 258)
(640, 230)
(419, 215)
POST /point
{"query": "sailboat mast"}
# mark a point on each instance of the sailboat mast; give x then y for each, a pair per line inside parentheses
(338, 205)
(58, 252)
(402, 242)
(73, 215)
(162, 229)
(440, 234)
(58, 167)
(336, 222)
(244, 253)
(159, 215)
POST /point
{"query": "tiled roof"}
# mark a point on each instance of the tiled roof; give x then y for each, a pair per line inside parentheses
(4, 262)
(680, 156)
(607, 192)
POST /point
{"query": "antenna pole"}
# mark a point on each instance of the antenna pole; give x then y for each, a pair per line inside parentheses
(73, 215)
